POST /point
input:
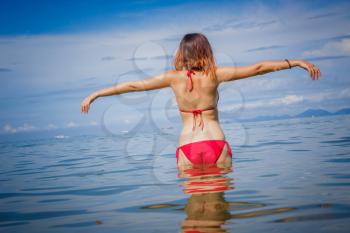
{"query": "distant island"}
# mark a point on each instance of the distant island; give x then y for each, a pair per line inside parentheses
(307, 113)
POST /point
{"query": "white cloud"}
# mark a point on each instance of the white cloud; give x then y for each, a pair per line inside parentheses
(51, 126)
(332, 48)
(329, 95)
(72, 124)
(274, 102)
(93, 123)
(8, 128)
(290, 100)
(286, 100)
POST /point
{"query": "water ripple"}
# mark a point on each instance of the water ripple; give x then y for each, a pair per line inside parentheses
(100, 191)
(66, 185)
(19, 216)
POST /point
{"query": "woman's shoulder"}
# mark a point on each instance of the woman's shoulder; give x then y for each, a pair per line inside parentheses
(175, 74)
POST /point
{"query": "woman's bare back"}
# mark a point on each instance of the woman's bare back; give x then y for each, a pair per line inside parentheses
(203, 96)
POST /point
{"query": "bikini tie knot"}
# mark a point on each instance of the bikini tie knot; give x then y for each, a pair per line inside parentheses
(195, 114)
(197, 111)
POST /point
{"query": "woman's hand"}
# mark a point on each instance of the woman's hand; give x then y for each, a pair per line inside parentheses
(85, 105)
(315, 72)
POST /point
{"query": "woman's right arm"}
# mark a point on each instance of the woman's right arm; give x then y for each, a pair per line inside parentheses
(159, 81)
(226, 74)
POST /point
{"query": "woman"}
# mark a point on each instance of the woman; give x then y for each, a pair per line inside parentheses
(195, 82)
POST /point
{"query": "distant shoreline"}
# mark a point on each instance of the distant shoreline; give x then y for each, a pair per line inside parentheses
(306, 114)
(67, 133)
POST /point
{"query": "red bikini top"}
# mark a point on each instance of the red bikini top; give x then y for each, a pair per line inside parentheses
(195, 112)
(189, 81)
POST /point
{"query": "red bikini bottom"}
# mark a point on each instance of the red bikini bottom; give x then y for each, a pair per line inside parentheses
(203, 152)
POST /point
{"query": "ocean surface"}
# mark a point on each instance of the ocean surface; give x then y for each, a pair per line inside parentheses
(286, 176)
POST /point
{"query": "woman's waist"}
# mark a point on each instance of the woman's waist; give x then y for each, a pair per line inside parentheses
(210, 131)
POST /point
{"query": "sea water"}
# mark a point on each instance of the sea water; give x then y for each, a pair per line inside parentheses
(286, 176)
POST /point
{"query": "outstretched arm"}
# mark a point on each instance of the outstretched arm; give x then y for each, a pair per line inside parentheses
(156, 82)
(225, 74)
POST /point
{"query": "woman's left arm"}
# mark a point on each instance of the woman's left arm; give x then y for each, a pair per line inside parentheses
(270, 66)
(234, 73)
(160, 81)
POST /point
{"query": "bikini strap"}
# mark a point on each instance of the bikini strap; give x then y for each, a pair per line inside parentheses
(195, 113)
(190, 81)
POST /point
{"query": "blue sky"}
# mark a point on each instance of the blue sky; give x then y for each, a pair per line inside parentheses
(54, 53)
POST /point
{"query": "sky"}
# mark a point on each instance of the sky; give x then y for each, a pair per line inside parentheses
(54, 53)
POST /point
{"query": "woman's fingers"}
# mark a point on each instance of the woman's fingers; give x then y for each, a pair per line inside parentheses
(312, 73)
(84, 107)
(316, 73)
(309, 69)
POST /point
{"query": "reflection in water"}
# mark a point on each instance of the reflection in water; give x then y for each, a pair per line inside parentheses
(206, 212)
(206, 208)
